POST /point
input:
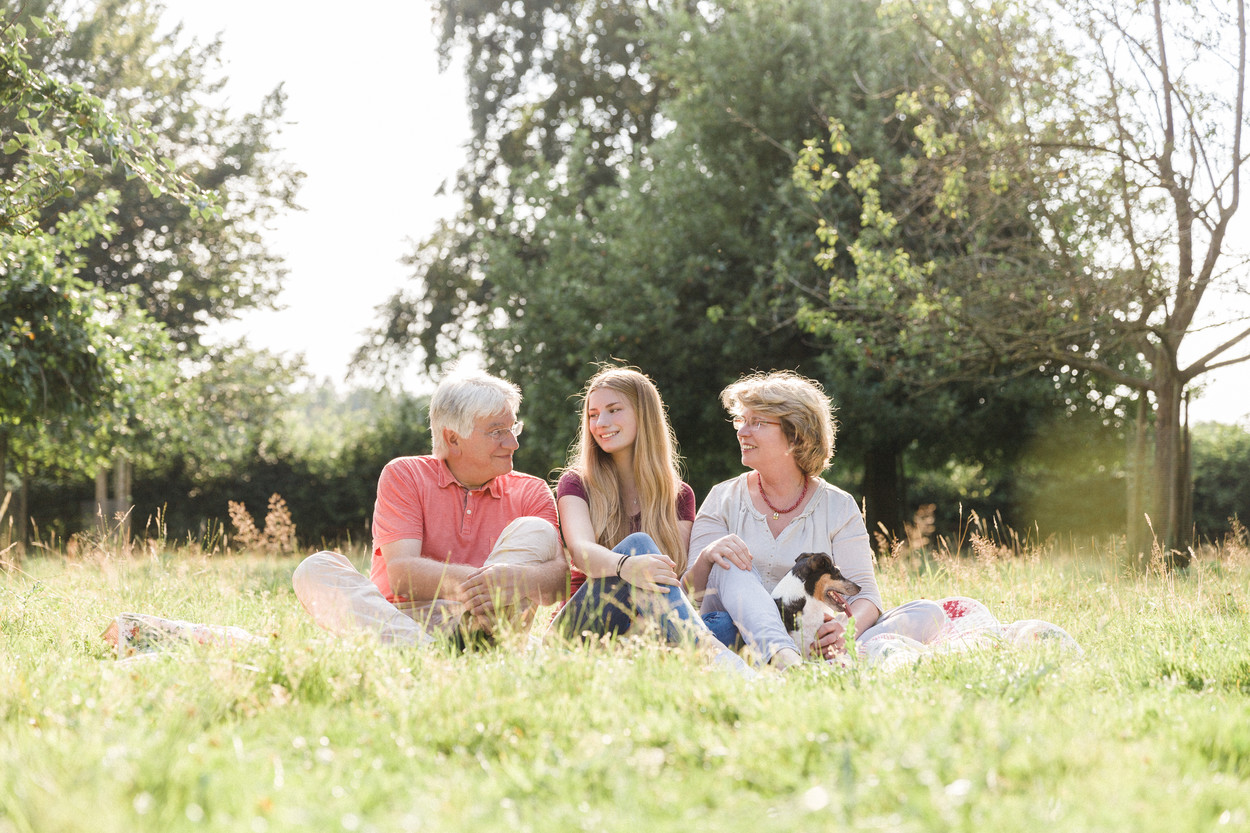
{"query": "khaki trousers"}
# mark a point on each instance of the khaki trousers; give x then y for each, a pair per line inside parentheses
(343, 601)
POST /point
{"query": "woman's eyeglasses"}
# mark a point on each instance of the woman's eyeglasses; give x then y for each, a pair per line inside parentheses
(755, 422)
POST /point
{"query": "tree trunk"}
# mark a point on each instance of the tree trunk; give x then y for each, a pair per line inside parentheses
(1185, 483)
(23, 525)
(121, 497)
(6, 501)
(103, 510)
(885, 490)
(1169, 459)
(1137, 534)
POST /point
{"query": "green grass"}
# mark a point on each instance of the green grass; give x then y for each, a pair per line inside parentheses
(1148, 730)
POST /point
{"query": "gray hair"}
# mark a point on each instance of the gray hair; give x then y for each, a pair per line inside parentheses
(464, 397)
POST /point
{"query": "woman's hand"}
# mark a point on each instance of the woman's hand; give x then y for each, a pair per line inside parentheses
(650, 571)
(728, 551)
(831, 637)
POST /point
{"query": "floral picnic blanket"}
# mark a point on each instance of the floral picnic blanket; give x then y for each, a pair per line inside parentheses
(969, 625)
(140, 633)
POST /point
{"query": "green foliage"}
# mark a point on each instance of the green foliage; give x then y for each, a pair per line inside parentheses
(321, 452)
(551, 85)
(313, 732)
(189, 265)
(49, 127)
(80, 367)
(49, 329)
(132, 209)
(607, 92)
(693, 260)
(1221, 466)
(937, 295)
(1065, 205)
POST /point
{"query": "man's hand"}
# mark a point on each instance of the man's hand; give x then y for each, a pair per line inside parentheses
(489, 590)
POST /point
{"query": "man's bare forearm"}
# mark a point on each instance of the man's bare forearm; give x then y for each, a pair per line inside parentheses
(550, 581)
(424, 580)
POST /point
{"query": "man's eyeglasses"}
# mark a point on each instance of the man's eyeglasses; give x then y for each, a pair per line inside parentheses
(755, 422)
(498, 434)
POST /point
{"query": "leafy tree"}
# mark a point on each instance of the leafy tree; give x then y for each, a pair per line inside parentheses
(1096, 132)
(550, 83)
(595, 51)
(694, 259)
(51, 332)
(48, 127)
(191, 188)
(189, 268)
(69, 352)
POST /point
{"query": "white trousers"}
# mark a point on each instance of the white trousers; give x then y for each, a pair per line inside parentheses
(343, 601)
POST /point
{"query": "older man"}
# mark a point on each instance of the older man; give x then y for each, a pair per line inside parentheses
(461, 542)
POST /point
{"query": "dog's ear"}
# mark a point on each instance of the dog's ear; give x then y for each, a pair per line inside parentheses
(802, 564)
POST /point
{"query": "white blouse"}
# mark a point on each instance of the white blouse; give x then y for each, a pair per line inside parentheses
(830, 523)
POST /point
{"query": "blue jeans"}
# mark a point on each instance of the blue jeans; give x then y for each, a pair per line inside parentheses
(612, 606)
(722, 626)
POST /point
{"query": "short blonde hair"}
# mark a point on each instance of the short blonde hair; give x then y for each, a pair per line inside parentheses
(464, 397)
(799, 404)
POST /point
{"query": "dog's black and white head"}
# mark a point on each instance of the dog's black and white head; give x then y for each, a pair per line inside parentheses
(813, 586)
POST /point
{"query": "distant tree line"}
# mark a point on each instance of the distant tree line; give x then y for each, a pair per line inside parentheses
(322, 451)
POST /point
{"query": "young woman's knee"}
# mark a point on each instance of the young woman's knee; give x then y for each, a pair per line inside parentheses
(636, 544)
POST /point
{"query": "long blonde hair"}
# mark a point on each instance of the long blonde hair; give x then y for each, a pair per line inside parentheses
(657, 474)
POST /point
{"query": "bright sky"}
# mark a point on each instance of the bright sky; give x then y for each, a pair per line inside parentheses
(377, 130)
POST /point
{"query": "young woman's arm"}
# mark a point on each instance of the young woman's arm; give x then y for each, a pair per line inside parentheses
(650, 571)
(592, 558)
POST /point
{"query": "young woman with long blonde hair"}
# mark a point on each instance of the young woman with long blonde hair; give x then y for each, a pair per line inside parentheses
(626, 516)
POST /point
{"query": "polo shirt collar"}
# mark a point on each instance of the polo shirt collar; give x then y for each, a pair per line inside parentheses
(447, 480)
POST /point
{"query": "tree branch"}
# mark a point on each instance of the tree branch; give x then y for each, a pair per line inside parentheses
(1204, 364)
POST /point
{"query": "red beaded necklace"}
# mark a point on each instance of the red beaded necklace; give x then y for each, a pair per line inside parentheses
(777, 513)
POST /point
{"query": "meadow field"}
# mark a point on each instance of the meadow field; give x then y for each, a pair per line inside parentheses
(1146, 729)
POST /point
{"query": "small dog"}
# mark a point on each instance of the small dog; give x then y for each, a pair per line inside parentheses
(813, 587)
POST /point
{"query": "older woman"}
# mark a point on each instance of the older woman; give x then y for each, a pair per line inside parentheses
(751, 529)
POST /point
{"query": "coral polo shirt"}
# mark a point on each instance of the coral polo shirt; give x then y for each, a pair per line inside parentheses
(419, 499)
